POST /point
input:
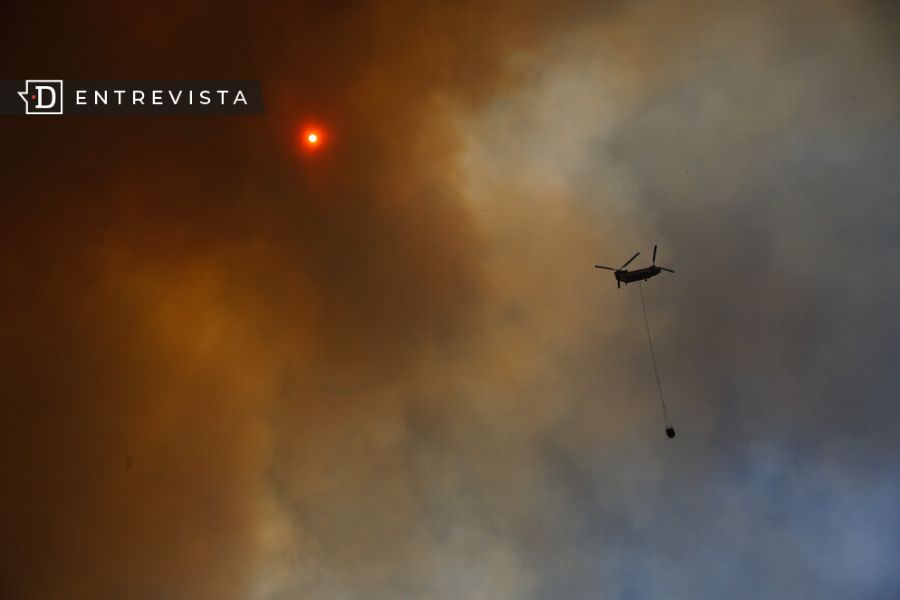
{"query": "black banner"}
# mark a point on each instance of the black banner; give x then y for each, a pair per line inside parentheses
(137, 97)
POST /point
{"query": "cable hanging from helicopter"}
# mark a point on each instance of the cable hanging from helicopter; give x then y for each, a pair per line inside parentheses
(622, 275)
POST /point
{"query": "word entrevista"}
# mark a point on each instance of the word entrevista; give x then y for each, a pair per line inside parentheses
(169, 97)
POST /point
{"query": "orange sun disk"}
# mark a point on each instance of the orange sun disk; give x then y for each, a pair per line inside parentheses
(311, 138)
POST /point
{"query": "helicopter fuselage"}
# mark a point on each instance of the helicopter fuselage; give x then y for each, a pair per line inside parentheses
(625, 276)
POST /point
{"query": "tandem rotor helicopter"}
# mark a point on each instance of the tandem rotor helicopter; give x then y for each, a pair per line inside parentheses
(641, 275)
(626, 277)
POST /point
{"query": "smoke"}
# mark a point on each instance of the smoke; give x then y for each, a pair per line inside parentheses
(233, 371)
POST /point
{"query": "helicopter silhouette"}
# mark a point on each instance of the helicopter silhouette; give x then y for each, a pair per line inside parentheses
(626, 277)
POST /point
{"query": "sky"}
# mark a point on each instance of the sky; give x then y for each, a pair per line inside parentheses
(233, 369)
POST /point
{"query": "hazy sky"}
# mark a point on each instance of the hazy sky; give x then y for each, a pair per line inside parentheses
(235, 370)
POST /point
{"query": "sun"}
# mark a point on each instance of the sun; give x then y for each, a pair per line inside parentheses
(310, 138)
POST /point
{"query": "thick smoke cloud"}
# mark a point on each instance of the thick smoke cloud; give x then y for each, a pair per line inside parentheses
(388, 370)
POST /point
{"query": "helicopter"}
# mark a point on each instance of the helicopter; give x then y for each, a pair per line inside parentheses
(626, 277)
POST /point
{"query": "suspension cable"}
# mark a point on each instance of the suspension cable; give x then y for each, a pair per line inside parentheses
(662, 400)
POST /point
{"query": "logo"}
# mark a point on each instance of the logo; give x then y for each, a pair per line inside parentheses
(131, 97)
(43, 96)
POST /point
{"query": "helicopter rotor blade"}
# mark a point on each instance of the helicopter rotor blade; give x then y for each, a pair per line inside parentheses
(665, 269)
(602, 267)
(627, 262)
(654, 254)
